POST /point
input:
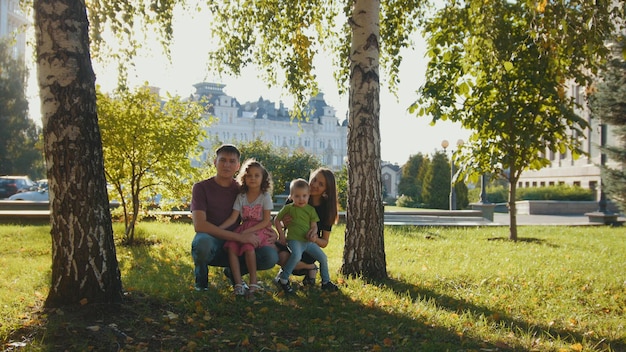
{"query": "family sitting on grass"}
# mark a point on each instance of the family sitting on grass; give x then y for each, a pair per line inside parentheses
(304, 225)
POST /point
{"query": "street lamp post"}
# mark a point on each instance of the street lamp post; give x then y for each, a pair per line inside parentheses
(483, 189)
(602, 202)
(445, 145)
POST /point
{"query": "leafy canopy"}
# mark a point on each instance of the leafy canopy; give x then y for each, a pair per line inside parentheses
(502, 71)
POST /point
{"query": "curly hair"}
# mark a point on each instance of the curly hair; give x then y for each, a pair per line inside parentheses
(266, 184)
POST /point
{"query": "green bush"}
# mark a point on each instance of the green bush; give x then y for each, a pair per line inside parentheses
(560, 192)
(500, 194)
(406, 202)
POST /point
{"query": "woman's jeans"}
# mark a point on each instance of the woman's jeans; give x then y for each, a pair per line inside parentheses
(207, 250)
(297, 249)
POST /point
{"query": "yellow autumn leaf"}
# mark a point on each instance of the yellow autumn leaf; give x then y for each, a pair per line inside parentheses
(577, 347)
(541, 5)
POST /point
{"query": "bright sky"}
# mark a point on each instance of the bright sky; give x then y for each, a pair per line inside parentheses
(402, 134)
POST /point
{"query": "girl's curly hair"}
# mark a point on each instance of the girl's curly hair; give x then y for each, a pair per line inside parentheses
(266, 184)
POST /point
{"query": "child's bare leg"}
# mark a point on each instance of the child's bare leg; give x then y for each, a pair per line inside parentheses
(251, 264)
(233, 261)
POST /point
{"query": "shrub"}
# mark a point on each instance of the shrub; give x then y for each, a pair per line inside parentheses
(406, 201)
(500, 194)
(560, 192)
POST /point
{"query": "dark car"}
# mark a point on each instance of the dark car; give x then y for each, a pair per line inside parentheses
(10, 185)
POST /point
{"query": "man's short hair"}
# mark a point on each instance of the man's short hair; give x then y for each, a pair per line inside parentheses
(228, 148)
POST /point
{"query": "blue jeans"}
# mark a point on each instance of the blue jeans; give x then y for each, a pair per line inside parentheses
(207, 250)
(297, 249)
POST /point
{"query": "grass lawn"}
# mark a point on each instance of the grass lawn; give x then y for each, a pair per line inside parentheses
(449, 289)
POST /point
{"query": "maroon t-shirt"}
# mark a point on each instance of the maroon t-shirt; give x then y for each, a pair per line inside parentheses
(215, 200)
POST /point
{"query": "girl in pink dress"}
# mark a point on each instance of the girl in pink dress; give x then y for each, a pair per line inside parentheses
(254, 204)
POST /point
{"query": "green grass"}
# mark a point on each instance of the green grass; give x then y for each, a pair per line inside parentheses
(449, 289)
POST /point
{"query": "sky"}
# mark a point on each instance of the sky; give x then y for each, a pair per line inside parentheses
(402, 134)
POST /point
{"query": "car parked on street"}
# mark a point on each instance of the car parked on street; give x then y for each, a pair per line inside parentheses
(10, 185)
(39, 195)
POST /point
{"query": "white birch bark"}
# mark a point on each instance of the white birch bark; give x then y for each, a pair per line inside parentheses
(364, 252)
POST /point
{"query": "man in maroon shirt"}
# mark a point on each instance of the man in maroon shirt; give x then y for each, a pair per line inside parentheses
(211, 204)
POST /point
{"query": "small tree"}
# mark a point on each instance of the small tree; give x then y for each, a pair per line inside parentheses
(148, 146)
(436, 187)
(410, 184)
(501, 71)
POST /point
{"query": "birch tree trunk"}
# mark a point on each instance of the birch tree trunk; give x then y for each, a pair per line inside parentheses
(364, 251)
(84, 263)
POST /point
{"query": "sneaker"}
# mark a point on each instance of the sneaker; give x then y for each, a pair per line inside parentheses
(309, 280)
(277, 277)
(329, 286)
(238, 290)
(229, 276)
(198, 288)
(286, 287)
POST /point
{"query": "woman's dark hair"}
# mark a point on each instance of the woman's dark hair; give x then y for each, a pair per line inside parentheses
(330, 200)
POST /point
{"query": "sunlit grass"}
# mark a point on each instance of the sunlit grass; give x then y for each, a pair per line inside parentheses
(557, 289)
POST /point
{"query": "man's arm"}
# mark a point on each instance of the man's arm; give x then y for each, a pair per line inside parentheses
(200, 224)
(231, 220)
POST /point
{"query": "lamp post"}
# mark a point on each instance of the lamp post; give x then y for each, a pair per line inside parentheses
(483, 189)
(444, 145)
(602, 202)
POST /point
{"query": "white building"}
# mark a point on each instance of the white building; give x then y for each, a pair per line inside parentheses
(13, 23)
(391, 174)
(321, 134)
(564, 168)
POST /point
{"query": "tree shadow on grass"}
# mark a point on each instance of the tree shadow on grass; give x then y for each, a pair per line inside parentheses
(459, 306)
(162, 312)
(530, 240)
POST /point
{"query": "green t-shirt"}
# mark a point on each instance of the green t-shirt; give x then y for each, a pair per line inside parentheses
(301, 220)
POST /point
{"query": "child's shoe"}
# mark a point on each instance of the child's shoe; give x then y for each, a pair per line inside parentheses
(239, 290)
(286, 287)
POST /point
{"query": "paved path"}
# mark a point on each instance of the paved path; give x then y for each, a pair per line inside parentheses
(504, 219)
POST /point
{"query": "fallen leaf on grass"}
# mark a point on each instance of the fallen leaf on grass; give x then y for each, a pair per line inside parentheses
(577, 347)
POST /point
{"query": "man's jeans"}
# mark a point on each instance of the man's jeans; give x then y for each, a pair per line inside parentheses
(207, 250)
(297, 249)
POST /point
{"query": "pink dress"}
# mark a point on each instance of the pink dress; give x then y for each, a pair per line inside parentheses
(252, 214)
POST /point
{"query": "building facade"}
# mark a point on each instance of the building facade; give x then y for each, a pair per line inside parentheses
(564, 168)
(13, 22)
(321, 134)
(391, 174)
